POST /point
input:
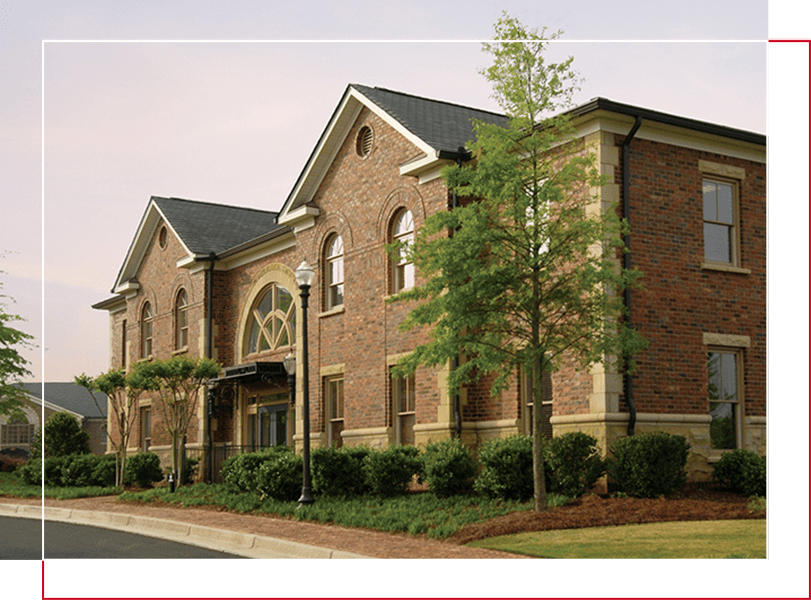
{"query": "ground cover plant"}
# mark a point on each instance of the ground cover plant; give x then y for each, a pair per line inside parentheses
(415, 513)
(12, 485)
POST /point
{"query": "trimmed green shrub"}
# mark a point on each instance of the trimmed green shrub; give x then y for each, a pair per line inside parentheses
(143, 469)
(390, 471)
(239, 472)
(572, 464)
(31, 472)
(104, 472)
(78, 471)
(338, 471)
(649, 465)
(63, 436)
(741, 471)
(280, 476)
(190, 469)
(54, 470)
(506, 468)
(449, 468)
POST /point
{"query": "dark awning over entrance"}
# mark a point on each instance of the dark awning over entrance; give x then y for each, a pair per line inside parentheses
(251, 372)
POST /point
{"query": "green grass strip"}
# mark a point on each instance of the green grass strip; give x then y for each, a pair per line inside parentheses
(686, 539)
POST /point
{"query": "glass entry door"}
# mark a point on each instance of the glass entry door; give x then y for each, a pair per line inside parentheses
(272, 425)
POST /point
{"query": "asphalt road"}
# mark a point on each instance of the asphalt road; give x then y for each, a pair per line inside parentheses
(21, 539)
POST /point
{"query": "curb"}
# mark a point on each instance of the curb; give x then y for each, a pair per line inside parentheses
(233, 542)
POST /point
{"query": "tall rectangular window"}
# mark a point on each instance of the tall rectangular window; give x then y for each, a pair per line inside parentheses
(403, 397)
(720, 222)
(723, 370)
(124, 344)
(334, 403)
(146, 428)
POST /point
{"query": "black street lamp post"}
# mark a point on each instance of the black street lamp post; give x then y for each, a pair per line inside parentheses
(304, 278)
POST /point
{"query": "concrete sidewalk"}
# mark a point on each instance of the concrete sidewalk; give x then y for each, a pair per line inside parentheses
(234, 542)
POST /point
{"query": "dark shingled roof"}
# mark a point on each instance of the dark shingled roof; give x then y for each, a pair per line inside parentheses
(442, 125)
(205, 227)
(69, 396)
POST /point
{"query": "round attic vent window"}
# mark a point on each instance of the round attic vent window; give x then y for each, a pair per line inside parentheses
(365, 139)
(162, 237)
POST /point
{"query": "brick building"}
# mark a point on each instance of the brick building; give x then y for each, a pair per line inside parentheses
(206, 279)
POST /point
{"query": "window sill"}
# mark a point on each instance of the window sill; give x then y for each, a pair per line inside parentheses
(726, 268)
(333, 311)
(182, 350)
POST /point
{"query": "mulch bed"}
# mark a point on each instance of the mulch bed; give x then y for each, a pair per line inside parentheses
(692, 504)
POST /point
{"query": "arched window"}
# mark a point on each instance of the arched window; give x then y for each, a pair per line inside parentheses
(402, 231)
(146, 331)
(334, 273)
(272, 323)
(181, 320)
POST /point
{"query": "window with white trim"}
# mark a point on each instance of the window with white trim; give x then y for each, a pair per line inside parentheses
(146, 330)
(334, 272)
(402, 231)
(334, 409)
(272, 323)
(181, 320)
(720, 221)
(724, 392)
(403, 399)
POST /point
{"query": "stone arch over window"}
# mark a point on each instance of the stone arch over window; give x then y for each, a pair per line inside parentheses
(181, 319)
(268, 318)
(402, 270)
(333, 271)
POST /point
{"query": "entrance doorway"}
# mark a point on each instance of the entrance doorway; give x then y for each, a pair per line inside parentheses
(272, 425)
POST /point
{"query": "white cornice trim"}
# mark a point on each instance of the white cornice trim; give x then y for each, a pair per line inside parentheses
(260, 251)
(603, 120)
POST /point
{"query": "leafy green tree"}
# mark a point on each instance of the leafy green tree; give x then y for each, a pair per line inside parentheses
(13, 367)
(526, 269)
(122, 390)
(178, 381)
(62, 435)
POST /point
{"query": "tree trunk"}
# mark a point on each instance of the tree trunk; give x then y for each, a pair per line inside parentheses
(538, 476)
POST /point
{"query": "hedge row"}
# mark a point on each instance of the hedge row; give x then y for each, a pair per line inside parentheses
(83, 470)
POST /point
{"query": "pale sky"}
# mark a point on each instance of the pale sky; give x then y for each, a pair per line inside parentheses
(132, 108)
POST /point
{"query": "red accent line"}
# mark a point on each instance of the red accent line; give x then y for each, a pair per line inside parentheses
(789, 40)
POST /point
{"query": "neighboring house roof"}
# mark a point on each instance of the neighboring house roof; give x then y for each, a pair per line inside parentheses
(68, 397)
(201, 227)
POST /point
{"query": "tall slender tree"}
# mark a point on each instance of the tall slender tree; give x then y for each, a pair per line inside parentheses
(179, 382)
(529, 273)
(122, 391)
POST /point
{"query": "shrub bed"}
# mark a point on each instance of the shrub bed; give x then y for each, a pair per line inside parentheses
(741, 471)
(649, 465)
(449, 468)
(506, 468)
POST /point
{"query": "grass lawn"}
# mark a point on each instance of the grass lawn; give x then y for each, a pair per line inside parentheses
(689, 539)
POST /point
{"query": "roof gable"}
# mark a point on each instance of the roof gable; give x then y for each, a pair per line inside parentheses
(438, 129)
(201, 228)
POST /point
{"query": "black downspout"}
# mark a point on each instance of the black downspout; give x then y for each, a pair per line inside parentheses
(209, 351)
(626, 260)
(457, 409)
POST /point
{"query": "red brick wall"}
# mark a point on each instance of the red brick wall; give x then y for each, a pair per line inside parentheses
(681, 300)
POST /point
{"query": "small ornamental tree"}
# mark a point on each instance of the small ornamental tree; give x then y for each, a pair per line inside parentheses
(13, 367)
(178, 381)
(525, 271)
(122, 390)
